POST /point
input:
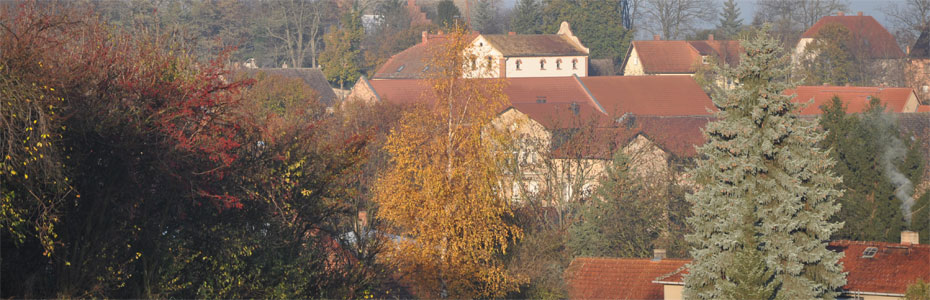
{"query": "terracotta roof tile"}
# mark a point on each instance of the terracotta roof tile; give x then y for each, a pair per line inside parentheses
(617, 278)
(923, 108)
(893, 267)
(649, 95)
(534, 44)
(854, 97)
(664, 57)
(865, 30)
(891, 270)
(410, 63)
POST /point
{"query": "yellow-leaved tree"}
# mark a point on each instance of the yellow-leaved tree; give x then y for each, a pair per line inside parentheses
(443, 191)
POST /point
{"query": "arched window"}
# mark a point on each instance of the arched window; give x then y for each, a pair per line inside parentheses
(558, 64)
(489, 61)
(542, 64)
(518, 64)
(575, 64)
(474, 64)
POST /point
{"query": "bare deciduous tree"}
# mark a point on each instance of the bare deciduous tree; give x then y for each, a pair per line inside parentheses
(908, 20)
(298, 26)
(672, 18)
(789, 18)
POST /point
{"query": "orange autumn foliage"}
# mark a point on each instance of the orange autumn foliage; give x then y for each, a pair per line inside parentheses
(443, 191)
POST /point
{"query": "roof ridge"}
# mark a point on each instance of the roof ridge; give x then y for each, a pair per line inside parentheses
(590, 95)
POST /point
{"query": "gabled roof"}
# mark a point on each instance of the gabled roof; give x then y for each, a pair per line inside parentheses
(313, 77)
(921, 48)
(412, 62)
(923, 108)
(856, 98)
(866, 31)
(676, 135)
(534, 45)
(892, 268)
(682, 57)
(613, 278)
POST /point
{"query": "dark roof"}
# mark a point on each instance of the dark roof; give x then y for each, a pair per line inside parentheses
(313, 77)
(618, 278)
(866, 32)
(663, 57)
(921, 48)
(534, 44)
(856, 98)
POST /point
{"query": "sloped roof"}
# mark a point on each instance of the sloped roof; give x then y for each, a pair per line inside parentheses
(856, 98)
(663, 57)
(923, 108)
(614, 278)
(649, 95)
(891, 270)
(676, 135)
(313, 77)
(866, 31)
(534, 45)
(410, 63)
(921, 48)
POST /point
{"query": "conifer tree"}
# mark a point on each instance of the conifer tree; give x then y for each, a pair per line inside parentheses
(526, 17)
(730, 21)
(760, 176)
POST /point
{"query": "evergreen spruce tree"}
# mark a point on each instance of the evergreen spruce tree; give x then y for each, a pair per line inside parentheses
(761, 176)
(730, 21)
(483, 20)
(526, 17)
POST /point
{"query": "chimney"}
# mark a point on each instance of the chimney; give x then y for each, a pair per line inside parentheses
(859, 13)
(511, 33)
(710, 37)
(656, 37)
(425, 37)
(839, 13)
(658, 254)
(502, 65)
(910, 238)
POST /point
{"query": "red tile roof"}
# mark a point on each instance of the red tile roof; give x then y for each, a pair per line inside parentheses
(617, 278)
(891, 270)
(866, 31)
(410, 63)
(676, 135)
(664, 57)
(534, 45)
(855, 98)
(649, 95)
(923, 108)
(668, 110)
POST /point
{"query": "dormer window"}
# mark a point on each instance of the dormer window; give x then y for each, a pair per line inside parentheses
(542, 64)
(575, 64)
(518, 64)
(558, 64)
